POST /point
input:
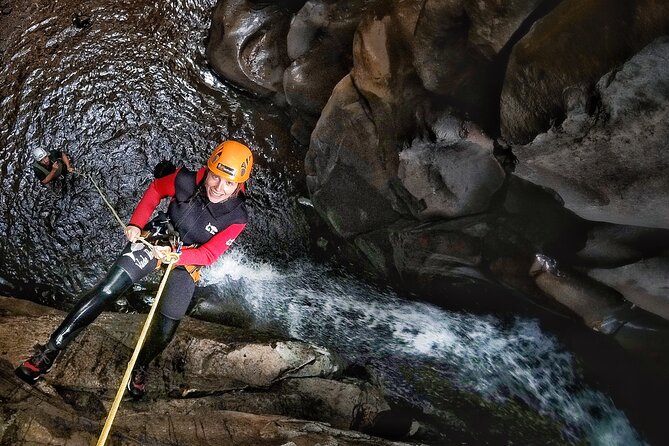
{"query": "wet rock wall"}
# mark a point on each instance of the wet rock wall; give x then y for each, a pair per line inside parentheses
(462, 142)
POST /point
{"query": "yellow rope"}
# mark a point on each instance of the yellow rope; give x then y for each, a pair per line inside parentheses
(111, 208)
(170, 259)
(105, 200)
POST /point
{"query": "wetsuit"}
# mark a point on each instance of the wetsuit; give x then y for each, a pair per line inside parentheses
(206, 229)
(41, 171)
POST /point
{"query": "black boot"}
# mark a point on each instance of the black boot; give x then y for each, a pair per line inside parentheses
(160, 334)
(137, 384)
(90, 305)
(38, 364)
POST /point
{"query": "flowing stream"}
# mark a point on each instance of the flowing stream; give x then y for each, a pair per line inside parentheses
(369, 326)
(129, 87)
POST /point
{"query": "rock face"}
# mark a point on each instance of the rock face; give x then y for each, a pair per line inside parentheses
(213, 385)
(611, 166)
(218, 385)
(442, 120)
(644, 283)
(248, 45)
(553, 57)
(320, 35)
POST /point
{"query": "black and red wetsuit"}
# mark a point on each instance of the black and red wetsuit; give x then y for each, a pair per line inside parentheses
(206, 229)
(211, 226)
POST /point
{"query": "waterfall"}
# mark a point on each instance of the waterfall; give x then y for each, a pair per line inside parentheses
(493, 358)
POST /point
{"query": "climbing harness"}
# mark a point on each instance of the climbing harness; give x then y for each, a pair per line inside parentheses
(171, 258)
(193, 270)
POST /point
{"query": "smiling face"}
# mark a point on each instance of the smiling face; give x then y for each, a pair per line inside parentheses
(218, 188)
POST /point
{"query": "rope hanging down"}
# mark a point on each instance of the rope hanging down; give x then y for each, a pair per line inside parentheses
(111, 208)
(170, 259)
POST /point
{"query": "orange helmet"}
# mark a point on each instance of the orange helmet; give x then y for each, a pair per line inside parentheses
(231, 160)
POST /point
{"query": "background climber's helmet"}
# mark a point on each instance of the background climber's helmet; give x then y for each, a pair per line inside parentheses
(231, 160)
(39, 153)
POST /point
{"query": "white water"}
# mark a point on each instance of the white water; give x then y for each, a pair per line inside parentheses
(494, 359)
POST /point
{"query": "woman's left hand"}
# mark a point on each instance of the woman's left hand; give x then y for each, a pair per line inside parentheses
(159, 252)
(132, 232)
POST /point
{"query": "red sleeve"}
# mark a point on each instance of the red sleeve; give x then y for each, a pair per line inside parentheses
(200, 174)
(209, 252)
(158, 189)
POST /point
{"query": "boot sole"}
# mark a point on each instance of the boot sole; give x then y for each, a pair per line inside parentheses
(27, 377)
(132, 394)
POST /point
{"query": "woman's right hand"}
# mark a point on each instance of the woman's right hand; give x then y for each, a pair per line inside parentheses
(132, 233)
(159, 252)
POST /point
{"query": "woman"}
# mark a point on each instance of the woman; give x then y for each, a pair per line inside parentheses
(205, 215)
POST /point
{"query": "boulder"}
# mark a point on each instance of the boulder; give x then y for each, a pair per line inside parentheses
(446, 262)
(343, 158)
(493, 24)
(632, 260)
(644, 283)
(384, 75)
(247, 45)
(596, 304)
(457, 48)
(610, 246)
(611, 166)
(438, 249)
(346, 405)
(307, 86)
(442, 57)
(320, 36)
(212, 385)
(552, 57)
(450, 180)
(377, 249)
(604, 309)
